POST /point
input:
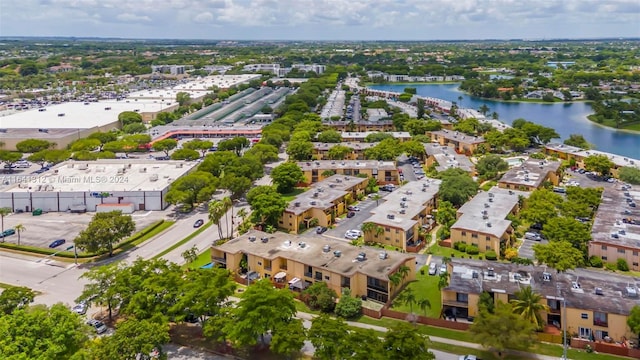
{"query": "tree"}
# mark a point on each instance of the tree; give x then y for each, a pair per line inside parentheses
(267, 205)
(484, 109)
(204, 294)
(104, 231)
(446, 214)
(329, 136)
(237, 185)
(598, 163)
(19, 228)
(288, 338)
(409, 298)
(286, 175)
(217, 209)
(320, 297)
(264, 152)
(190, 255)
(49, 156)
(577, 140)
(198, 145)
(387, 149)
(328, 337)
(490, 166)
(629, 174)
(528, 304)
(85, 144)
(183, 98)
(339, 152)
(131, 338)
(569, 230)
(541, 206)
(485, 302)
(489, 329)
(348, 307)
(403, 342)
(413, 148)
(9, 157)
(33, 145)
(457, 186)
(165, 145)
(3, 212)
(236, 145)
(185, 154)
(377, 137)
(261, 309)
(300, 150)
(129, 117)
(15, 298)
(102, 288)
(191, 188)
(633, 320)
(103, 137)
(39, 332)
(420, 104)
(136, 128)
(560, 255)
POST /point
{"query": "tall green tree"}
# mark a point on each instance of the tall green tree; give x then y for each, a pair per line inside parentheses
(490, 166)
(560, 255)
(489, 329)
(286, 175)
(288, 338)
(403, 342)
(15, 298)
(33, 145)
(195, 187)
(633, 320)
(457, 186)
(104, 231)
(328, 337)
(132, 338)
(261, 309)
(4, 212)
(165, 145)
(320, 297)
(529, 305)
(102, 288)
(598, 163)
(198, 145)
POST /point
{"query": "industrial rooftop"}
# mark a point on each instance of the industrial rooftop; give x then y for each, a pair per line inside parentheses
(105, 175)
(317, 251)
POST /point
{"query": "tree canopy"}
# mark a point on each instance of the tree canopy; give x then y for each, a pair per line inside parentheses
(105, 230)
(457, 186)
(286, 175)
(489, 329)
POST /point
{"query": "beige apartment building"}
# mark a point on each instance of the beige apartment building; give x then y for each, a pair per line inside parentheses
(385, 172)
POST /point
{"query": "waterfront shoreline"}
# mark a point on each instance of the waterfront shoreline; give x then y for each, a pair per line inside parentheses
(630, 131)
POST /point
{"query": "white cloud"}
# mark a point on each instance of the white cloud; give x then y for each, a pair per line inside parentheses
(132, 17)
(205, 17)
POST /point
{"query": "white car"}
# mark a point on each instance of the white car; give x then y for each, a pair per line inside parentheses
(353, 234)
(432, 269)
(98, 325)
(443, 268)
(468, 357)
(80, 308)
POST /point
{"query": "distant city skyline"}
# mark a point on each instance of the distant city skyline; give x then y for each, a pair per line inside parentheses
(322, 19)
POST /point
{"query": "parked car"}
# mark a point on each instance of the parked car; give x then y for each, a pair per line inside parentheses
(8, 232)
(353, 234)
(532, 236)
(353, 208)
(57, 243)
(80, 308)
(443, 268)
(351, 214)
(468, 357)
(198, 223)
(432, 269)
(321, 229)
(98, 325)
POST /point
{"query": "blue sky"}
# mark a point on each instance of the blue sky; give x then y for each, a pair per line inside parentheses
(322, 19)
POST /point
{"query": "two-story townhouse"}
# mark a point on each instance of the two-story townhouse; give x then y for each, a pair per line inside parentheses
(385, 172)
(445, 157)
(567, 152)
(295, 262)
(461, 143)
(532, 174)
(321, 150)
(361, 136)
(397, 221)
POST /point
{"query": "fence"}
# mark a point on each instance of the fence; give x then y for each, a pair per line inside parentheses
(602, 347)
(420, 319)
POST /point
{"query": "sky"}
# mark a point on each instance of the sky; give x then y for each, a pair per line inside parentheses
(322, 19)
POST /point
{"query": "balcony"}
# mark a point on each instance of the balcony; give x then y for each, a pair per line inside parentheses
(602, 323)
(377, 288)
(455, 303)
(308, 274)
(267, 268)
(283, 267)
(554, 311)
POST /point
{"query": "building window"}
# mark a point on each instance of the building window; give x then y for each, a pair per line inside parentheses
(600, 319)
(635, 263)
(463, 298)
(326, 277)
(621, 251)
(345, 282)
(604, 258)
(635, 253)
(475, 236)
(318, 275)
(584, 315)
(584, 333)
(601, 334)
(387, 229)
(488, 238)
(397, 231)
(464, 233)
(603, 247)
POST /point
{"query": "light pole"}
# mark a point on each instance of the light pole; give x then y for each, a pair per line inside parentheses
(564, 324)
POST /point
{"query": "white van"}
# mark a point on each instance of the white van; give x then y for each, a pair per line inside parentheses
(532, 236)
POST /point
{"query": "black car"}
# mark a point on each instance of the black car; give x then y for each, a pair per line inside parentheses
(351, 214)
(198, 223)
(57, 243)
(321, 229)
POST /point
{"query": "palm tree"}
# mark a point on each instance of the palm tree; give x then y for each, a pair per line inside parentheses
(395, 281)
(242, 213)
(484, 109)
(19, 228)
(3, 212)
(528, 305)
(424, 304)
(494, 115)
(377, 198)
(369, 227)
(216, 212)
(227, 205)
(403, 271)
(460, 98)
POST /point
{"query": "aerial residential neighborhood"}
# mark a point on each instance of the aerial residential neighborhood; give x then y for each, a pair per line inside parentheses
(263, 199)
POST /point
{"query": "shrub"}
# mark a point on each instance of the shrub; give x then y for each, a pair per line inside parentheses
(622, 265)
(491, 255)
(320, 297)
(473, 250)
(610, 266)
(348, 307)
(596, 261)
(460, 246)
(510, 253)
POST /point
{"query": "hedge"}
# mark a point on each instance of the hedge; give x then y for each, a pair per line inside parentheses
(71, 254)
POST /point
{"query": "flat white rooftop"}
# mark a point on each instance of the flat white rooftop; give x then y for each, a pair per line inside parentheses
(105, 176)
(221, 81)
(77, 115)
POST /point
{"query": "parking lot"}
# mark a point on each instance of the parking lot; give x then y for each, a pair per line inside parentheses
(42, 230)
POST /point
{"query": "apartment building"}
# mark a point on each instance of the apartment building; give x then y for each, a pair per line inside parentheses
(325, 201)
(361, 136)
(482, 221)
(596, 309)
(566, 152)
(361, 126)
(445, 157)
(531, 175)
(398, 220)
(385, 172)
(615, 233)
(295, 262)
(321, 150)
(461, 143)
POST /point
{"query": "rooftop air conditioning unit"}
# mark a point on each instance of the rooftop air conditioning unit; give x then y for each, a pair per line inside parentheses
(252, 238)
(313, 203)
(491, 272)
(264, 239)
(315, 194)
(403, 205)
(486, 205)
(296, 204)
(391, 216)
(404, 198)
(599, 291)
(287, 243)
(337, 253)
(491, 195)
(488, 224)
(485, 217)
(361, 257)
(302, 244)
(326, 248)
(383, 255)
(403, 211)
(490, 199)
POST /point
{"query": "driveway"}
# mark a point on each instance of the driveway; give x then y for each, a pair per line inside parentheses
(526, 249)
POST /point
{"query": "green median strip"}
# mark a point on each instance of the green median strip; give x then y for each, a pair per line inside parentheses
(185, 240)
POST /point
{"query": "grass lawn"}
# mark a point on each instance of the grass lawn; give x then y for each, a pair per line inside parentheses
(488, 185)
(185, 240)
(450, 252)
(292, 195)
(424, 287)
(203, 259)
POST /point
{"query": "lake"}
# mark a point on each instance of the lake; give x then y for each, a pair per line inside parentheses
(565, 118)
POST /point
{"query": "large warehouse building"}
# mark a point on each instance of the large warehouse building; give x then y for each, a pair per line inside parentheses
(102, 185)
